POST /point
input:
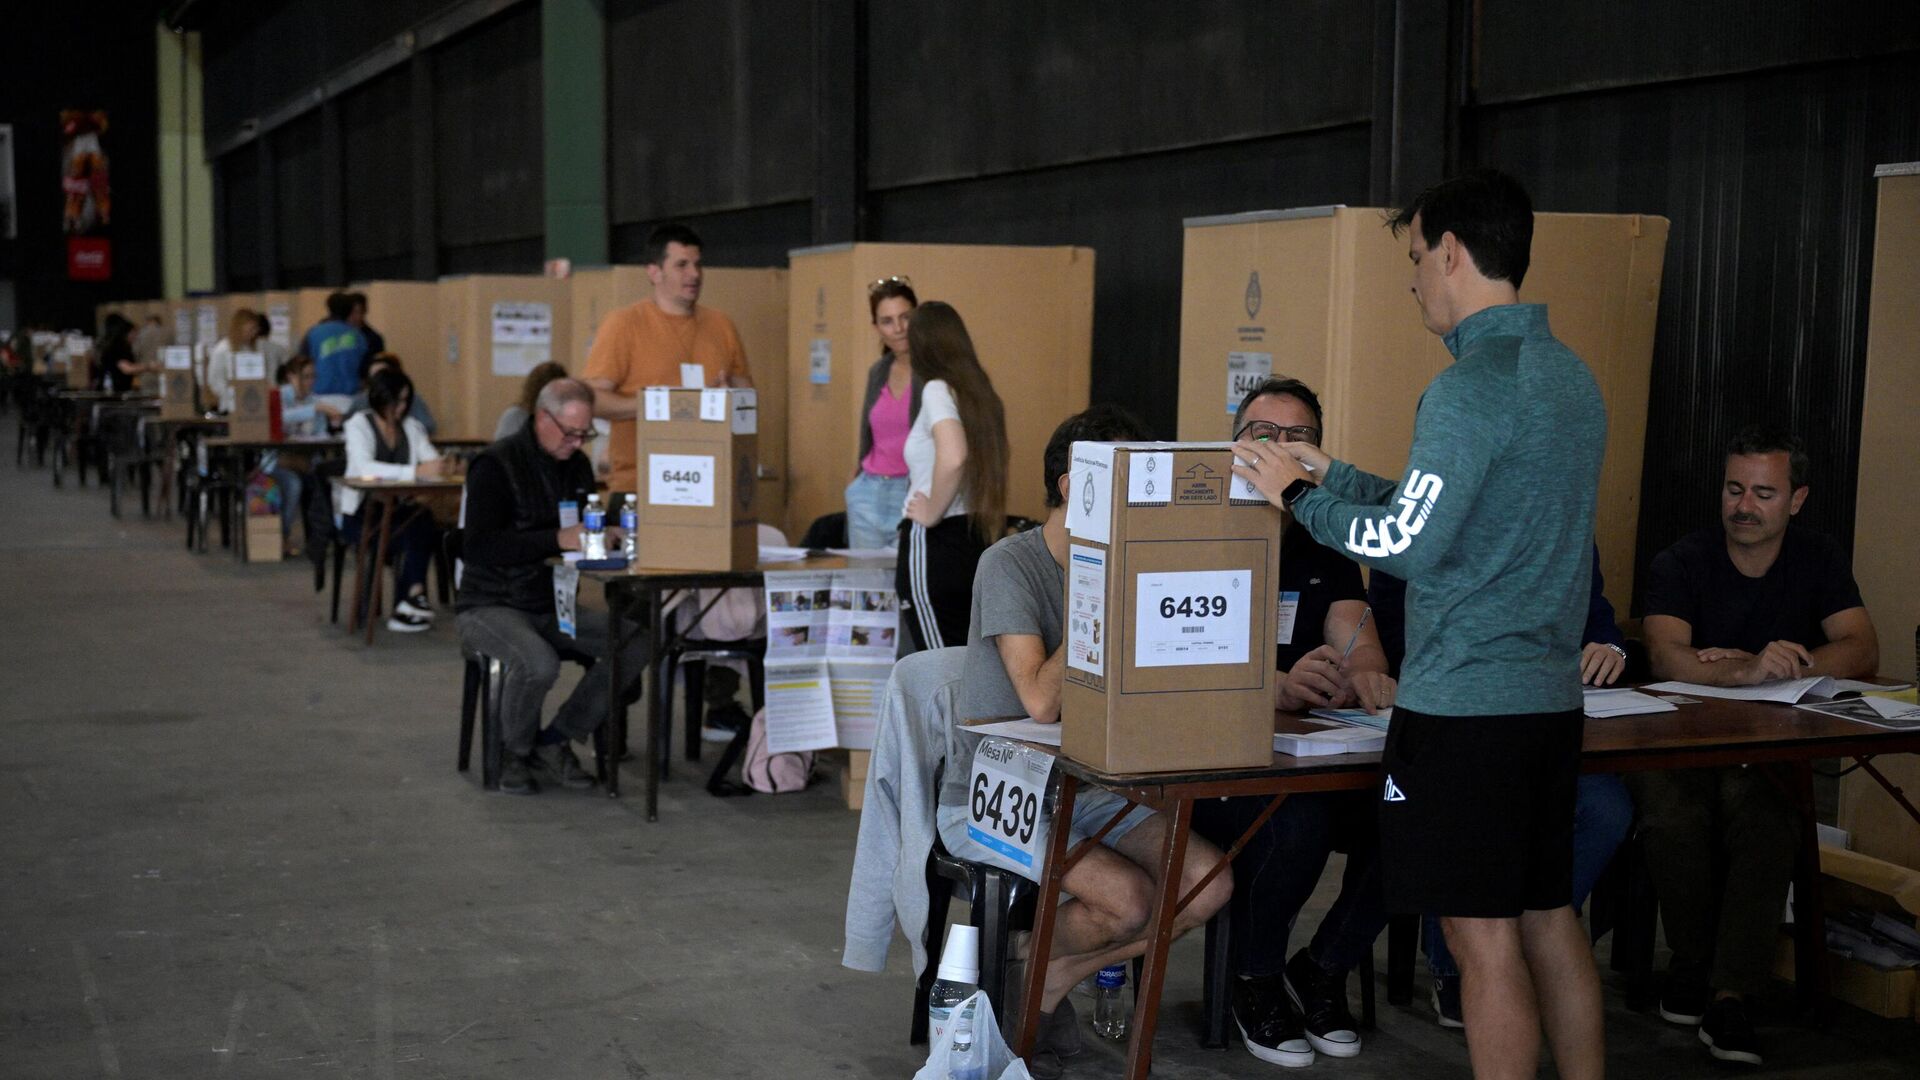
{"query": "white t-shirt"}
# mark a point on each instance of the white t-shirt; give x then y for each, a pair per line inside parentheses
(936, 404)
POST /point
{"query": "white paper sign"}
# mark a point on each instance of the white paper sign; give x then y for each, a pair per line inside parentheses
(1090, 495)
(183, 327)
(177, 358)
(453, 346)
(249, 365)
(680, 479)
(522, 336)
(1087, 609)
(693, 377)
(1245, 370)
(280, 325)
(858, 688)
(746, 412)
(799, 707)
(208, 318)
(713, 405)
(1192, 617)
(1150, 479)
(1005, 800)
(820, 361)
(850, 614)
(659, 405)
(566, 591)
(1289, 614)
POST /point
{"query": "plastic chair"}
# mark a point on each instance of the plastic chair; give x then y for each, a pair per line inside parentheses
(1000, 902)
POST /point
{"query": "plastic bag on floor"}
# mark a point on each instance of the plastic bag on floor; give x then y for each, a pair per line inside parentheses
(989, 1046)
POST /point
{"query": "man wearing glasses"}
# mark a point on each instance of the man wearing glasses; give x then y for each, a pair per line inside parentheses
(505, 605)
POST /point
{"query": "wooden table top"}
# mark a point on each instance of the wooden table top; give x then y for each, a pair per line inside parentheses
(405, 487)
(228, 442)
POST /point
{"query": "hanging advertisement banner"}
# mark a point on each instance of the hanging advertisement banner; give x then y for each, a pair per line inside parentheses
(87, 196)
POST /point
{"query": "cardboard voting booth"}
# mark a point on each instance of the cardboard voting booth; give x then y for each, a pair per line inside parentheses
(407, 314)
(256, 401)
(79, 351)
(1029, 311)
(1172, 580)
(309, 311)
(496, 328)
(755, 299)
(176, 383)
(1887, 514)
(1322, 294)
(697, 502)
(278, 307)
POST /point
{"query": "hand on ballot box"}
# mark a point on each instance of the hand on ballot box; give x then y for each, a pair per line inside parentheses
(1271, 466)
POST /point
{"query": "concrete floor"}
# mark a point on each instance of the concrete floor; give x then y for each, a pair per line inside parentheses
(235, 845)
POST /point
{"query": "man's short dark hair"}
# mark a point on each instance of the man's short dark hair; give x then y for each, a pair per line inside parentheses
(1487, 211)
(356, 300)
(1772, 439)
(339, 306)
(1278, 385)
(673, 232)
(1101, 423)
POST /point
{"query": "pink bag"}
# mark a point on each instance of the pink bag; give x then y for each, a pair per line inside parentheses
(773, 774)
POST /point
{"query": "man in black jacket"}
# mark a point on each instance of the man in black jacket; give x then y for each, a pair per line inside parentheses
(506, 600)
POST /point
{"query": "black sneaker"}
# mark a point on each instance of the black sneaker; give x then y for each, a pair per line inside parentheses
(1446, 1002)
(1269, 1027)
(555, 762)
(1684, 1001)
(1728, 1033)
(722, 723)
(402, 622)
(515, 777)
(1322, 1001)
(1060, 1030)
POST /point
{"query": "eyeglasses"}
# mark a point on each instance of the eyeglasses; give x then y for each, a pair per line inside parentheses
(898, 279)
(585, 435)
(1262, 431)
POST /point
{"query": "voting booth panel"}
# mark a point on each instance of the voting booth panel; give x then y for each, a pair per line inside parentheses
(1029, 311)
(497, 327)
(309, 311)
(1322, 294)
(178, 317)
(407, 314)
(282, 327)
(755, 299)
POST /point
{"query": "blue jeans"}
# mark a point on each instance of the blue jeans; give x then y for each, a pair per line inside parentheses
(290, 481)
(411, 548)
(1602, 816)
(1276, 872)
(873, 510)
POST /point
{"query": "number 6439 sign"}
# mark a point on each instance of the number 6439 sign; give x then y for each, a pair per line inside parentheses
(1006, 804)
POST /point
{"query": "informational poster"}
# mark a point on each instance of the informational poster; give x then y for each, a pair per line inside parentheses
(1086, 611)
(1245, 370)
(280, 325)
(183, 327)
(522, 336)
(206, 324)
(1192, 617)
(820, 361)
(833, 635)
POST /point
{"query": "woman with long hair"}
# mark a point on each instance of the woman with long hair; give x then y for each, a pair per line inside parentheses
(385, 443)
(956, 453)
(879, 486)
(243, 331)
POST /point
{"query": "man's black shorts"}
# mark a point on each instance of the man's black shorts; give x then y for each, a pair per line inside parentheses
(1476, 813)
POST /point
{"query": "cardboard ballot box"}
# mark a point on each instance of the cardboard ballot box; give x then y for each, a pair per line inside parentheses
(697, 466)
(1171, 591)
(176, 383)
(255, 399)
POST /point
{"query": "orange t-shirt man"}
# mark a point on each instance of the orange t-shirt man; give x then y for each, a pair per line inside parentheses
(642, 345)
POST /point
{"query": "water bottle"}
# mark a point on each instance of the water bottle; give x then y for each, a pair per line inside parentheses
(959, 976)
(1109, 1014)
(593, 541)
(967, 1057)
(630, 524)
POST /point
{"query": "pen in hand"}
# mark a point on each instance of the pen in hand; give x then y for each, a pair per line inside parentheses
(1357, 627)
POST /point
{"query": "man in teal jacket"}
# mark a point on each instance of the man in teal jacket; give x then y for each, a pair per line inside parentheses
(1491, 528)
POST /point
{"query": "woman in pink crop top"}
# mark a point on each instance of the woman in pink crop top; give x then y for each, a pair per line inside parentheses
(879, 486)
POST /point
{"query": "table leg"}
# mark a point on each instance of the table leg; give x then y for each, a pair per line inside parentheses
(388, 508)
(609, 763)
(1166, 907)
(360, 570)
(1899, 795)
(1809, 906)
(659, 698)
(1046, 907)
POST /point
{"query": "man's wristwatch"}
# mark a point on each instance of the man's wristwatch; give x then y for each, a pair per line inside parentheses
(1294, 491)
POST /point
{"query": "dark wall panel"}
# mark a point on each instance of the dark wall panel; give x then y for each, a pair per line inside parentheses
(958, 90)
(1531, 49)
(761, 236)
(1768, 180)
(487, 133)
(494, 257)
(1130, 213)
(376, 128)
(709, 107)
(298, 178)
(239, 229)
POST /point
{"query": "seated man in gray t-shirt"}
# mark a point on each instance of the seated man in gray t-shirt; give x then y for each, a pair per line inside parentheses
(1014, 668)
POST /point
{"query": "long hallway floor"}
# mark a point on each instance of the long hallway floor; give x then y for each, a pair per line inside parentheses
(234, 844)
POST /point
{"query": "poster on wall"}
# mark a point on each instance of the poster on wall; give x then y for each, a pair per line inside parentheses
(86, 195)
(9, 225)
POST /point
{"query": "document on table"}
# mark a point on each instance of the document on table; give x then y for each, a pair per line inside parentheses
(840, 626)
(799, 707)
(1032, 731)
(1883, 712)
(1356, 717)
(1340, 739)
(1785, 691)
(1600, 704)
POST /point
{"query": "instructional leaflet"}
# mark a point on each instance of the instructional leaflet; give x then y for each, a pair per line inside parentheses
(831, 637)
(522, 336)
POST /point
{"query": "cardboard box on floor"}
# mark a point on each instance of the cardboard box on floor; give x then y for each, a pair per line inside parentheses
(1029, 311)
(176, 383)
(697, 492)
(407, 314)
(755, 299)
(497, 327)
(263, 538)
(1321, 294)
(1172, 579)
(1888, 516)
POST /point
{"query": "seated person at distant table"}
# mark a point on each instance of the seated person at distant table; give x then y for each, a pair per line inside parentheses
(1602, 809)
(1015, 667)
(1755, 600)
(505, 606)
(374, 362)
(384, 443)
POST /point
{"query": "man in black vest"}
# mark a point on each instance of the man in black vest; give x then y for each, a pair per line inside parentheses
(506, 601)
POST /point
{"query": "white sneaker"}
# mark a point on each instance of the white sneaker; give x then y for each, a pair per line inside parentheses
(403, 623)
(417, 608)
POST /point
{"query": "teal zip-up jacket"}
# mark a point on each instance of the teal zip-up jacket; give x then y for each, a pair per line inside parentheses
(1491, 527)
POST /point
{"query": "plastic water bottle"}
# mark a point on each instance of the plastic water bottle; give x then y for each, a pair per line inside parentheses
(1109, 1012)
(958, 978)
(966, 1058)
(629, 524)
(593, 541)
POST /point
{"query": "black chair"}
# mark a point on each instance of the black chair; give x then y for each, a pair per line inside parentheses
(827, 531)
(1001, 902)
(691, 656)
(324, 543)
(127, 453)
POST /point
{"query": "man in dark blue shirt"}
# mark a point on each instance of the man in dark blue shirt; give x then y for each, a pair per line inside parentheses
(336, 348)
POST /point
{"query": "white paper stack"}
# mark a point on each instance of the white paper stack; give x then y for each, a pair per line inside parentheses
(1334, 740)
(1604, 703)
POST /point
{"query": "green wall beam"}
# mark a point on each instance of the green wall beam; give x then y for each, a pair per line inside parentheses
(573, 72)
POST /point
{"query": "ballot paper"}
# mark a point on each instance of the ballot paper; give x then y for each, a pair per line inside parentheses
(1339, 739)
(1785, 691)
(1032, 731)
(1604, 703)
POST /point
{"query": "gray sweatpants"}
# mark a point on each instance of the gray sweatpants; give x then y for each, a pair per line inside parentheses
(531, 647)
